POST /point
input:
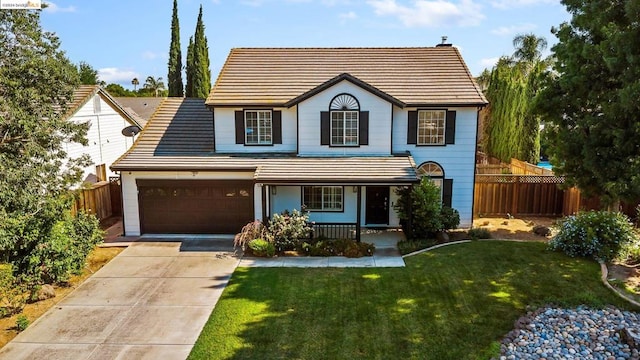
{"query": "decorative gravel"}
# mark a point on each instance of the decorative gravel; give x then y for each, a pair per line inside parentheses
(581, 333)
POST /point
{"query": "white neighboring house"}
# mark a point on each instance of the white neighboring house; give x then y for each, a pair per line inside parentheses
(336, 130)
(107, 118)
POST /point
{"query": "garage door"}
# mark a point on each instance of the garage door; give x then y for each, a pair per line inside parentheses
(194, 207)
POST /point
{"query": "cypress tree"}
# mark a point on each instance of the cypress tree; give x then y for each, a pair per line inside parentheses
(190, 68)
(175, 56)
(201, 75)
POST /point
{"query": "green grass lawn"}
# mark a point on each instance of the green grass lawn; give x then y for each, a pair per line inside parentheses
(453, 303)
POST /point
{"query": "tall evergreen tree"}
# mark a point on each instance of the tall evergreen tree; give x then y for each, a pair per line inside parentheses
(190, 69)
(200, 74)
(513, 129)
(594, 101)
(176, 87)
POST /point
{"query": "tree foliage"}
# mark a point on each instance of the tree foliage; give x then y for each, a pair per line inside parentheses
(593, 102)
(512, 130)
(88, 75)
(36, 84)
(174, 78)
(198, 73)
(154, 85)
(421, 206)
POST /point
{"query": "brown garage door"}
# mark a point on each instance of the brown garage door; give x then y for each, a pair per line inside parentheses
(194, 206)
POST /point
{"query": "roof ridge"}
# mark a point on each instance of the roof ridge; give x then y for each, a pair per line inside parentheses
(333, 48)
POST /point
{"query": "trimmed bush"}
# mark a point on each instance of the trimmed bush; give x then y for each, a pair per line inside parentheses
(449, 217)
(602, 235)
(288, 229)
(479, 233)
(262, 248)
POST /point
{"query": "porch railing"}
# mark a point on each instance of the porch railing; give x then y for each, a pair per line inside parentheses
(334, 230)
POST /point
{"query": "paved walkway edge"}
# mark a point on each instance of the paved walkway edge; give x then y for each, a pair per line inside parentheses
(605, 276)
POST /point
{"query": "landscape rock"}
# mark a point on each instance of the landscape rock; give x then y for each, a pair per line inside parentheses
(442, 237)
(541, 230)
(46, 292)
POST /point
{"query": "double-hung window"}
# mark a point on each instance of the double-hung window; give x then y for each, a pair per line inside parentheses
(431, 127)
(258, 127)
(322, 198)
(344, 128)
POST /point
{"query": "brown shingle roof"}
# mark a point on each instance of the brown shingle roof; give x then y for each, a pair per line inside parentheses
(414, 76)
(140, 107)
(179, 136)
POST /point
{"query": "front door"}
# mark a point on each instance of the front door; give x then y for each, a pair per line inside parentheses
(377, 208)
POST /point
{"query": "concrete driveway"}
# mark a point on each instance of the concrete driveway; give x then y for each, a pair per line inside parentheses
(150, 302)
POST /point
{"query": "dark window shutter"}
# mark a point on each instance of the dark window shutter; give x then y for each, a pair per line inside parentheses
(325, 128)
(363, 134)
(412, 128)
(276, 127)
(239, 127)
(450, 132)
(447, 190)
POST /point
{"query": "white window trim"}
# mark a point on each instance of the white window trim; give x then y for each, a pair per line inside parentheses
(246, 135)
(437, 179)
(344, 132)
(444, 128)
(323, 208)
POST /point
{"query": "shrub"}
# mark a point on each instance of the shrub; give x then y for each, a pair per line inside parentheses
(603, 235)
(22, 322)
(337, 247)
(479, 233)
(289, 229)
(249, 232)
(13, 294)
(450, 218)
(422, 203)
(69, 243)
(262, 248)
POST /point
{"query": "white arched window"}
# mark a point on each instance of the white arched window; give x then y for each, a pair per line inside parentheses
(345, 111)
(432, 170)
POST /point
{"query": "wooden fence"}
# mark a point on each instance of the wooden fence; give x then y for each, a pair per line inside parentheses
(525, 195)
(103, 199)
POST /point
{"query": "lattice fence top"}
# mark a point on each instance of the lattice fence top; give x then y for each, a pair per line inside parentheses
(528, 179)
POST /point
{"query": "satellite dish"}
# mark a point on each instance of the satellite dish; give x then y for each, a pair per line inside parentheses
(130, 131)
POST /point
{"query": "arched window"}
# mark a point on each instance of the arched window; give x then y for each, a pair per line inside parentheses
(345, 110)
(432, 170)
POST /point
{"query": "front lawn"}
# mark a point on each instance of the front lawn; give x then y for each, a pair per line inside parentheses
(453, 303)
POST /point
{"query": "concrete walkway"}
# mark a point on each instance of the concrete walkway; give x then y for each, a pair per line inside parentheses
(150, 302)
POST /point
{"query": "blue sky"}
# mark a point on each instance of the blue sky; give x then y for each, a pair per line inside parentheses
(124, 39)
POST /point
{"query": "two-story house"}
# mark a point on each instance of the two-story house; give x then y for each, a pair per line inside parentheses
(336, 130)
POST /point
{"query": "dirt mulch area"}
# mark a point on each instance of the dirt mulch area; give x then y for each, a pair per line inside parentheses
(514, 229)
(96, 259)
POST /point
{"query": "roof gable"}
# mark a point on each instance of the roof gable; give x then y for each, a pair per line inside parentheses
(344, 77)
(83, 93)
(279, 76)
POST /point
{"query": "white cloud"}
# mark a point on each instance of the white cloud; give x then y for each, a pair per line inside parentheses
(425, 13)
(53, 8)
(118, 76)
(513, 30)
(489, 63)
(348, 16)
(509, 4)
